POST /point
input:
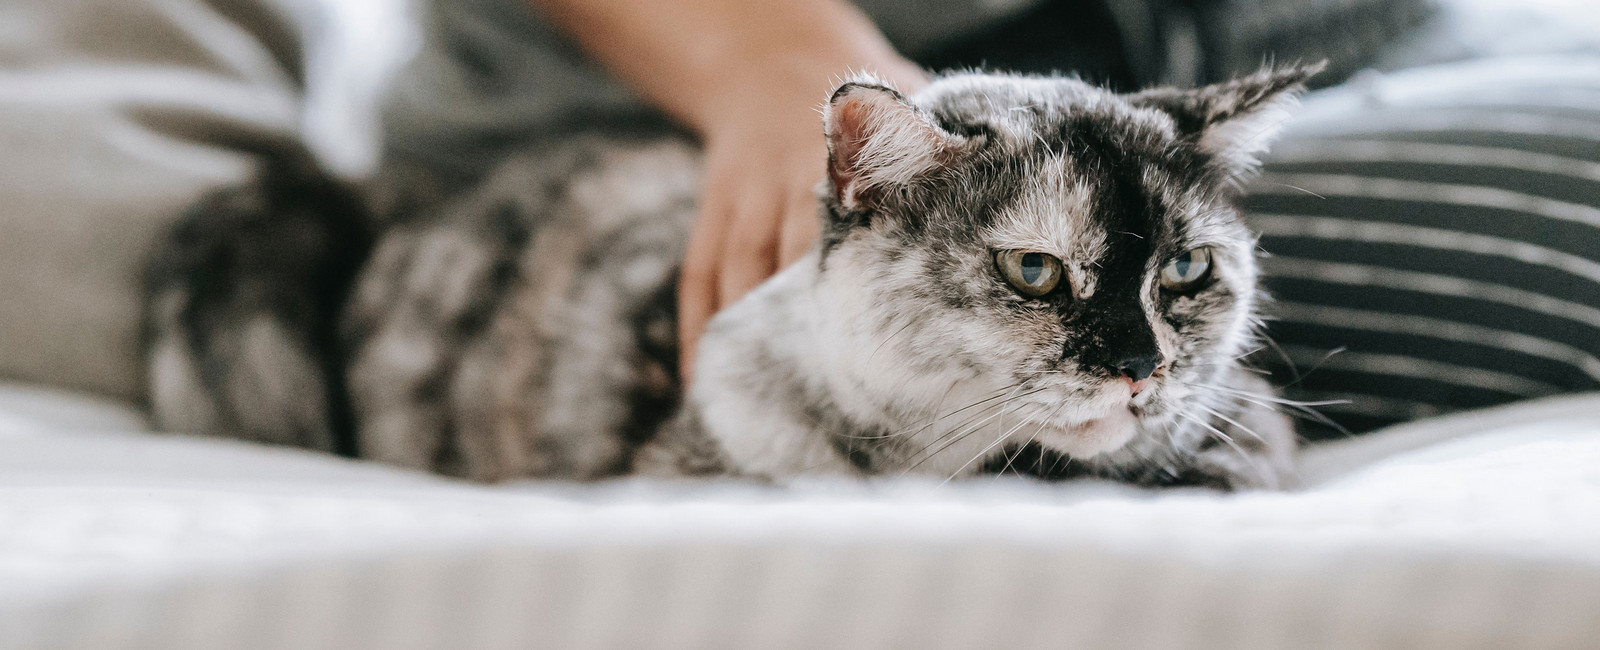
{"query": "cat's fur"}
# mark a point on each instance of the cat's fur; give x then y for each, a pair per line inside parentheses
(525, 327)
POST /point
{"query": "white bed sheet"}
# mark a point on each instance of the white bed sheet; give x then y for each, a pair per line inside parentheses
(1476, 531)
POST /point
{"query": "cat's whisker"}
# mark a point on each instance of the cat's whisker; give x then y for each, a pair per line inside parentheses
(1006, 397)
(977, 414)
(1232, 365)
(1292, 470)
(1236, 361)
(999, 394)
(891, 337)
(1282, 354)
(961, 434)
(1218, 414)
(1270, 398)
(977, 419)
(1300, 413)
(1041, 139)
(1302, 189)
(1031, 438)
(1002, 438)
(1302, 410)
(1289, 362)
(1012, 458)
(1227, 439)
(1063, 460)
(1317, 365)
(938, 418)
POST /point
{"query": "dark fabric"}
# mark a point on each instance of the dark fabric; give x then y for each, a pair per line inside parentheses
(1076, 37)
(1238, 35)
(1132, 44)
(1434, 242)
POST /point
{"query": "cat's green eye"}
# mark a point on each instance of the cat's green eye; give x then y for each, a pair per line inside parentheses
(1186, 271)
(1031, 274)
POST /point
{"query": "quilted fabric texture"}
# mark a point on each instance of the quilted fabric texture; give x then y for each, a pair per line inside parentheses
(1475, 531)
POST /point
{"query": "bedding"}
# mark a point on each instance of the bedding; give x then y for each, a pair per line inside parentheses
(1479, 530)
(1433, 241)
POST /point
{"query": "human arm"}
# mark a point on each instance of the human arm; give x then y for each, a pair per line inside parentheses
(747, 76)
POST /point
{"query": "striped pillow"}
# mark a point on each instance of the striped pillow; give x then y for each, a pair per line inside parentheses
(1433, 241)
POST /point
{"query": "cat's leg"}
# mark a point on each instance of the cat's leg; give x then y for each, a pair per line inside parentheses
(535, 389)
(241, 306)
(514, 332)
(596, 291)
(415, 315)
(1252, 445)
(524, 329)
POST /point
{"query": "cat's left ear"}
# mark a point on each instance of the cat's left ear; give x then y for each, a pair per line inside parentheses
(1235, 120)
(878, 140)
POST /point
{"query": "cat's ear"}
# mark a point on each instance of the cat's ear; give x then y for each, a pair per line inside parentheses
(1235, 120)
(877, 139)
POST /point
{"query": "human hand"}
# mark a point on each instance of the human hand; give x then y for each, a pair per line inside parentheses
(765, 154)
(747, 76)
(758, 207)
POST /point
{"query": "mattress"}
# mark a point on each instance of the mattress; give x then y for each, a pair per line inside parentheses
(1480, 530)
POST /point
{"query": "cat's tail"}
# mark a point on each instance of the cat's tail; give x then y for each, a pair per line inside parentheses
(242, 302)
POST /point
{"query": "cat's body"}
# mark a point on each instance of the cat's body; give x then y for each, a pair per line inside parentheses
(524, 327)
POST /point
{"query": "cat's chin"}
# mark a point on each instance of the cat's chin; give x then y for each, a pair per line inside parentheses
(1093, 437)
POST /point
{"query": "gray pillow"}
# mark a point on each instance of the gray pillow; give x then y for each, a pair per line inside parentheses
(1433, 240)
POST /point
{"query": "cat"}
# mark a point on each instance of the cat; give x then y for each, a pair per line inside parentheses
(1016, 274)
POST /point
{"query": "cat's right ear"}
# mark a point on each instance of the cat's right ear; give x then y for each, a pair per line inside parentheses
(877, 140)
(1236, 120)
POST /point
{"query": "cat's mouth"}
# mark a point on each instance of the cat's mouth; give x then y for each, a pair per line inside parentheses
(1092, 437)
(1103, 425)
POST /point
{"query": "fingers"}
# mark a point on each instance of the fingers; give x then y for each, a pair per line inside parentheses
(697, 285)
(755, 219)
(750, 251)
(799, 228)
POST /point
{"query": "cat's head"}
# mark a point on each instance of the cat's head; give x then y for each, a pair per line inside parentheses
(1072, 250)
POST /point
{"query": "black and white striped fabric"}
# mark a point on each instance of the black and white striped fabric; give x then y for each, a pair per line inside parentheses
(1433, 240)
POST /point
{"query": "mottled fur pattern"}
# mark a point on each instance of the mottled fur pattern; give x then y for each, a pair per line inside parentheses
(242, 307)
(524, 326)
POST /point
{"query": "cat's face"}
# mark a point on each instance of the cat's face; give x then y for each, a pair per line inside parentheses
(1039, 241)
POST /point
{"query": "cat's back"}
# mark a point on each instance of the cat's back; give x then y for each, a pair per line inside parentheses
(526, 326)
(512, 323)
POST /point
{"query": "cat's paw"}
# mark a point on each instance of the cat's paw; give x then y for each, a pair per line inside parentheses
(682, 449)
(1252, 449)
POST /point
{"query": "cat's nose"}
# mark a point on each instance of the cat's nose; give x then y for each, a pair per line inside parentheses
(1138, 368)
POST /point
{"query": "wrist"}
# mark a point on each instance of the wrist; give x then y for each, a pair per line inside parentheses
(794, 84)
(708, 61)
(791, 73)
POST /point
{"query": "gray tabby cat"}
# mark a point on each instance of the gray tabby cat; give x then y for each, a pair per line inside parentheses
(1016, 274)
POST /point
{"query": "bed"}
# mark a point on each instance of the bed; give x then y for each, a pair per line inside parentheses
(1480, 530)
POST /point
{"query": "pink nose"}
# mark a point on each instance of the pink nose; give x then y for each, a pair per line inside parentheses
(1136, 387)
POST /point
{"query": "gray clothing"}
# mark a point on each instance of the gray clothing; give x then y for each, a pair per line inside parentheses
(109, 115)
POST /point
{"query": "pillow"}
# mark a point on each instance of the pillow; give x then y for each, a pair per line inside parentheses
(1433, 241)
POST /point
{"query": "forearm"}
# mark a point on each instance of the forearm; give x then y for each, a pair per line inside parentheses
(699, 59)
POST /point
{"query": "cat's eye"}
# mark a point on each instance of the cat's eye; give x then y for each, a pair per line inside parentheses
(1186, 271)
(1031, 274)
